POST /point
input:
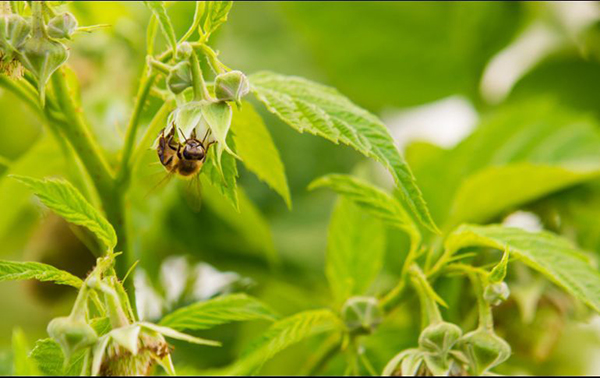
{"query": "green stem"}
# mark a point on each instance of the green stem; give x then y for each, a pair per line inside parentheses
(429, 308)
(486, 319)
(324, 355)
(37, 23)
(199, 86)
(124, 175)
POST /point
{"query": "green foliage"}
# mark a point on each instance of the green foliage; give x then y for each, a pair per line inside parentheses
(323, 111)
(217, 311)
(281, 335)
(21, 363)
(355, 248)
(12, 270)
(256, 149)
(65, 200)
(216, 14)
(551, 255)
(370, 198)
(159, 11)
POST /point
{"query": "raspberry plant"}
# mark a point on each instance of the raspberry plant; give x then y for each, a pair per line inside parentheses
(104, 334)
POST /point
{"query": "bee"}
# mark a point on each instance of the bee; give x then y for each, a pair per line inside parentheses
(184, 159)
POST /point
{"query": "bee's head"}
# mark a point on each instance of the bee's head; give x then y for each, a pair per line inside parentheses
(193, 150)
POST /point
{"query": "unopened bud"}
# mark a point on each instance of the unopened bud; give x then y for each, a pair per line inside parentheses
(71, 334)
(495, 293)
(62, 26)
(184, 50)
(14, 31)
(484, 350)
(180, 78)
(362, 314)
(231, 86)
(439, 337)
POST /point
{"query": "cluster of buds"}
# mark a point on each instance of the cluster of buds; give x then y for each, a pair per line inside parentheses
(33, 44)
(130, 348)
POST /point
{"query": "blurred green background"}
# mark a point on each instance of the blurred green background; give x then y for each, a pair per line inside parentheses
(432, 71)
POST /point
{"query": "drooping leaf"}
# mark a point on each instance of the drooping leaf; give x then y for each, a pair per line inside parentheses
(255, 147)
(217, 311)
(223, 175)
(369, 197)
(323, 111)
(13, 270)
(22, 365)
(65, 200)
(160, 12)
(218, 116)
(355, 248)
(494, 189)
(216, 14)
(283, 334)
(173, 334)
(551, 255)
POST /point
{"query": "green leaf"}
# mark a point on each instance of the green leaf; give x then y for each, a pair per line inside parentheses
(255, 147)
(49, 358)
(22, 365)
(492, 190)
(498, 273)
(355, 249)
(323, 111)
(218, 116)
(223, 175)
(553, 256)
(249, 223)
(283, 334)
(13, 270)
(216, 14)
(65, 200)
(217, 311)
(369, 197)
(160, 12)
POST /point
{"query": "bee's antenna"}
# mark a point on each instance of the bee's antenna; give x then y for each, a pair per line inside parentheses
(182, 135)
(205, 137)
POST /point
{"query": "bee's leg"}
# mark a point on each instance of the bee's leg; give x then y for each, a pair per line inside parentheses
(183, 138)
(205, 137)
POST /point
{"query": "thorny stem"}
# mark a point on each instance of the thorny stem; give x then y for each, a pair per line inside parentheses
(430, 313)
(199, 86)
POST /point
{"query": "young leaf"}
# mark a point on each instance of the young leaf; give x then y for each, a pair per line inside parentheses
(159, 11)
(355, 249)
(323, 111)
(494, 189)
(217, 311)
(545, 252)
(283, 334)
(217, 12)
(65, 200)
(369, 197)
(12, 270)
(22, 365)
(255, 147)
(498, 273)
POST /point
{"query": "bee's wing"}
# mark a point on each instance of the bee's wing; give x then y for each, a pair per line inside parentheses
(193, 193)
(161, 183)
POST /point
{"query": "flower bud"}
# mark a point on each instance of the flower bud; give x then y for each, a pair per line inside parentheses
(42, 56)
(231, 86)
(14, 31)
(362, 314)
(180, 78)
(495, 293)
(439, 337)
(484, 350)
(72, 334)
(184, 50)
(62, 26)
